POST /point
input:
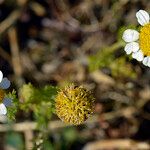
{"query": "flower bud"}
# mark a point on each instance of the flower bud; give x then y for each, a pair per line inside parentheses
(26, 92)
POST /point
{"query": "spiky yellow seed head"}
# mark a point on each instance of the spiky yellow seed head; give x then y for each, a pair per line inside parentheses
(26, 92)
(2, 94)
(74, 104)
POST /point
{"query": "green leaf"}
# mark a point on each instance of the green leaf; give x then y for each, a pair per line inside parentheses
(15, 140)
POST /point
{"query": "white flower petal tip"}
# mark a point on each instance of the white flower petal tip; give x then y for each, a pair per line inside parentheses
(142, 17)
(128, 50)
(148, 64)
(131, 47)
(5, 83)
(3, 109)
(146, 61)
(7, 102)
(1, 76)
(130, 35)
(138, 55)
(134, 55)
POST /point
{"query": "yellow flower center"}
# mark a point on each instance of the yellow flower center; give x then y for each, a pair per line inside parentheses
(144, 39)
(2, 94)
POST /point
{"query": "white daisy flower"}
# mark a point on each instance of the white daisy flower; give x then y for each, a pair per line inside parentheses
(138, 43)
(4, 101)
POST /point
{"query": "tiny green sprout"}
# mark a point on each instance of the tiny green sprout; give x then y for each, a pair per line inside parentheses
(74, 104)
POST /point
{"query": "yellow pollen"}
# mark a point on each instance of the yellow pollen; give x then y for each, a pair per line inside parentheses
(144, 39)
(2, 94)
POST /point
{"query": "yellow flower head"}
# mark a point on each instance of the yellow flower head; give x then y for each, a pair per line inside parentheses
(74, 104)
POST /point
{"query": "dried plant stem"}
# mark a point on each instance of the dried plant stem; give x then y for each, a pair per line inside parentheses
(28, 127)
(9, 21)
(5, 55)
(28, 139)
(12, 34)
(54, 125)
(117, 144)
(114, 46)
(12, 18)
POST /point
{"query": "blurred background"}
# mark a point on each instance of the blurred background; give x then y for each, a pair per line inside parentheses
(61, 41)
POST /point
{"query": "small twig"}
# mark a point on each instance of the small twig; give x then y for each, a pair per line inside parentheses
(117, 144)
(13, 17)
(117, 97)
(60, 26)
(37, 8)
(5, 55)
(28, 139)
(9, 21)
(15, 55)
(57, 124)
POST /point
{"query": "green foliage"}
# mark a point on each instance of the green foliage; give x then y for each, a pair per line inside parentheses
(102, 59)
(43, 113)
(41, 101)
(41, 142)
(106, 58)
(14, 140)
(67, 137)
(47, 145)
(34, 96)
(69, 134)
(12, 110)
(119, 68)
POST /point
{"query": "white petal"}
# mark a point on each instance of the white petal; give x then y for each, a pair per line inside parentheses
(131, 47)
(7, 101)
(138, 55)
(142, 17)
(134, 55)
(145, 61)
(3, 109)
(127, 49)
(1, 76)
(5, 84)
(135, 46)
(148, 63)
(130, 35)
